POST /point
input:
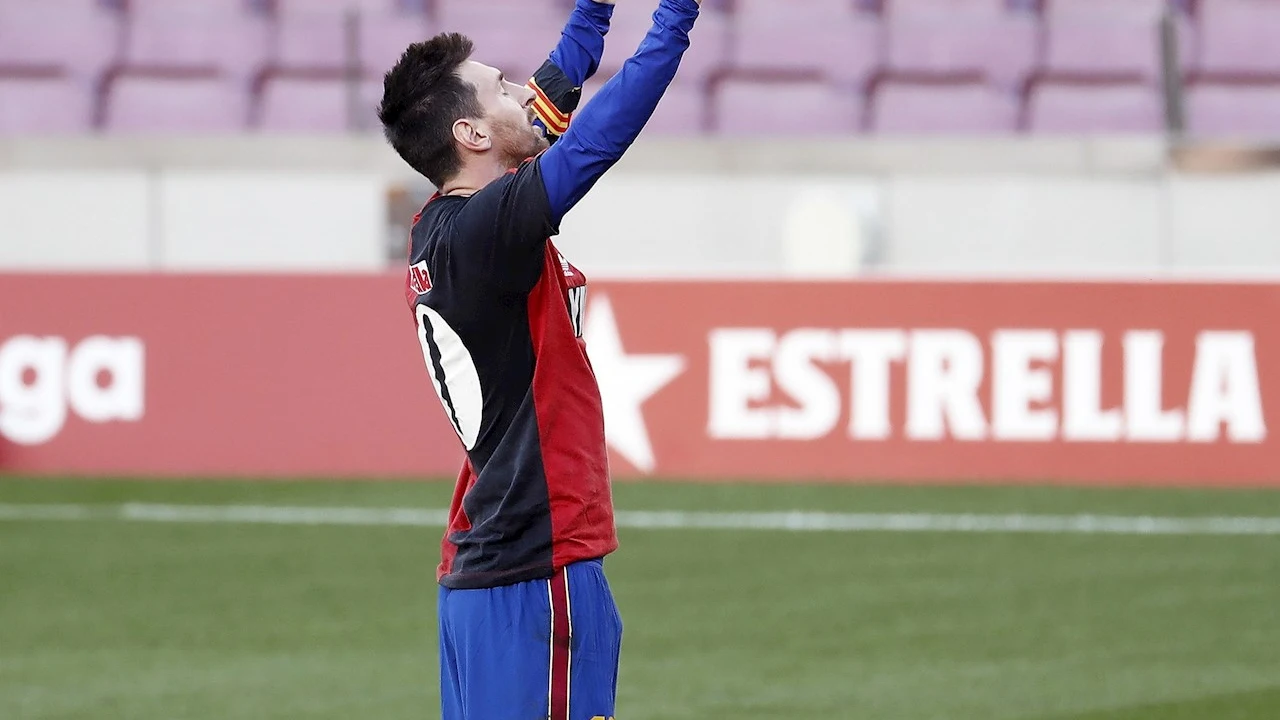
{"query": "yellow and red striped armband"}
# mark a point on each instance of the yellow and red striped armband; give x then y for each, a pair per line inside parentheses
(555, 98)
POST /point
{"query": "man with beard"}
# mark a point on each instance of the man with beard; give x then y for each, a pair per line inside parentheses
(528, 625)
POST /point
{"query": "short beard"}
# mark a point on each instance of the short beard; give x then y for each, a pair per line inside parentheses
(517, 142)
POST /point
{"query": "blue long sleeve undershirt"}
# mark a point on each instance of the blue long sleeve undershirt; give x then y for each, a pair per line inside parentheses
(581, 44)
(608, 125)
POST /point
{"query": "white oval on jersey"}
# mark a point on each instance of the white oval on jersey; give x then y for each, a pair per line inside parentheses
(463, 402)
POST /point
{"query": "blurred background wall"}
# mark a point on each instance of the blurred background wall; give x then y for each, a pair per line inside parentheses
(726, 207)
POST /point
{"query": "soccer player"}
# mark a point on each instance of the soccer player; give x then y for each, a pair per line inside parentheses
(528, 625)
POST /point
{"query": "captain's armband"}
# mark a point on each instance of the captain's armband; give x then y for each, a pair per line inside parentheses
(556, 99)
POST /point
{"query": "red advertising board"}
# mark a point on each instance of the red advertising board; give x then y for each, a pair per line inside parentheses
(300, 376)
(245, 376)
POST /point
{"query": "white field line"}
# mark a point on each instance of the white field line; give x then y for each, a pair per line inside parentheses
(673, 520)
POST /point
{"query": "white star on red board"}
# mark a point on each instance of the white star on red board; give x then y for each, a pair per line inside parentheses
(626, 382)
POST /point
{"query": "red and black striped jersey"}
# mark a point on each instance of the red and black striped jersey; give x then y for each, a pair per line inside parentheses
(498, 313)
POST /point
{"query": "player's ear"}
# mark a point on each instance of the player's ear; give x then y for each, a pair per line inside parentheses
(472, 135)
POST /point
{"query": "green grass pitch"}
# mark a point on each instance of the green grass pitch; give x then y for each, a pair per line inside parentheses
(104, 619)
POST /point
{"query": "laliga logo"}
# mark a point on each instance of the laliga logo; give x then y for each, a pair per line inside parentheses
(41, 378)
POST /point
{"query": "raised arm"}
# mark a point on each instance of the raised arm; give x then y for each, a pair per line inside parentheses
(612, 121)
(558, 83)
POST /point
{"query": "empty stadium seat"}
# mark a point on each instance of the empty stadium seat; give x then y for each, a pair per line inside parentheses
(1234, 110)
(1088, 65)
(1111, 37)
(1086, 108)
(820, 36)
(312, 40)
(293, 7)
(683, 111)
(1239, 37)
(72, 36)
(515, 36)
(146, 103)
(796, 109)
(933, 7)
(499, 11)
(965, 108)
(384, 37)
(317, 37)
(219, 37)
(316, 105)
(139, 8)
(1092, 7)
(67, 7)
(54, 105)
(1002, 46)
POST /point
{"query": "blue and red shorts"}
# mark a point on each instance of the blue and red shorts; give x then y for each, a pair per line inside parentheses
(538, 649)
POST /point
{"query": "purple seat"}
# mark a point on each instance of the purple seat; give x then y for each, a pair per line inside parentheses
(707, 55)
(1116, 37)
(497, 11)
(312, 40)
(515, 36)
(1239, 37)
(1234, 110)
(74, 36)
(933, 8)
(65, 7)
(915, 108)
(743, 106)
(1151, 8)
(1095, 108)
(824, 37)
(314, 37)
(145, 103)
(44, 106)
(338, 7)
(683, 110)
(138, 8)
(316, 105)
(384, 37)
(218, 37)
(1001, 46)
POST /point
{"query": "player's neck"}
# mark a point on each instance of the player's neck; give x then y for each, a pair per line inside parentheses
(475, 174)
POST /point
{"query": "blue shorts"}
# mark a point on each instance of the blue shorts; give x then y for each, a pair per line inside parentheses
(538, 649)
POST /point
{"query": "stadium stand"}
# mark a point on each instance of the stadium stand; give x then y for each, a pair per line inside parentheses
(170, 104)
(44, 105)
(959, 105)
(923, 38)
(205, 36)
(847, 66)
(1234, 89)
(762, 106)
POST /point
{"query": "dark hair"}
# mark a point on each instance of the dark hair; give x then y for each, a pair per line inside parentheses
(422, 97)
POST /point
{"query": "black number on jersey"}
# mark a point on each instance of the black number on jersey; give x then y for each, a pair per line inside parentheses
(577, 301)
(453, 373)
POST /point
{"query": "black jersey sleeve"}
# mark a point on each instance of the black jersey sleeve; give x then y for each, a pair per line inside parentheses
(503, 229)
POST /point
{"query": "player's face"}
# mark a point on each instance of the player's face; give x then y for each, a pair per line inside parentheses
(508, 113)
